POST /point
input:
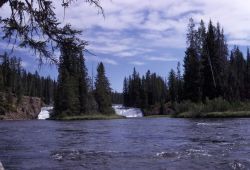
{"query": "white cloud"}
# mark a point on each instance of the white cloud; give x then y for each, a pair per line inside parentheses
(135, 28)
(161, 59)
(137, 63)
(160, 15)
(99, 59)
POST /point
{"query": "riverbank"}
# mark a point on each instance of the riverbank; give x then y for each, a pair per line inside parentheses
(216, 108)
(226, 114)
(158, 116)
(11, 108)
(90, 117)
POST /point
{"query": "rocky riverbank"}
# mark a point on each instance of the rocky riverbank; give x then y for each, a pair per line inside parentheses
(26, 109)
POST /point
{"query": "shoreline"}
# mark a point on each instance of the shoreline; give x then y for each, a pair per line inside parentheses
(225, 114)
(88, 117)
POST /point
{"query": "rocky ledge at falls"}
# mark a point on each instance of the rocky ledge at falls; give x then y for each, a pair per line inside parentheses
(10, 109)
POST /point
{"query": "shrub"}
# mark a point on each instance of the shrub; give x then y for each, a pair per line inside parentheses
(215, 105)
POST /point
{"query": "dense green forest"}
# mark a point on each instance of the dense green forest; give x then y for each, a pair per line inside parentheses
(210, 72)
(144, 91)
(16, 80)
(75, 93)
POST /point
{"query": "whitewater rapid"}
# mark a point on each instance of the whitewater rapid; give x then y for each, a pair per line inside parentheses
(119, 110)
(127, 111)
(45, 113)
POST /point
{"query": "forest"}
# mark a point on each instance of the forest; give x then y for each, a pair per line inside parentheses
(210, 72)
(14, 79)
(77, 94)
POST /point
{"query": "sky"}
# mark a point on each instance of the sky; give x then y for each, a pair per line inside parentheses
(144, 34)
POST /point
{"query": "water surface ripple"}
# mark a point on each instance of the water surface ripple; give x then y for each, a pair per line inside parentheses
(160, 143)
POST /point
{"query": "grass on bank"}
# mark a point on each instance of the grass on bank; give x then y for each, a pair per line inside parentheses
(93, 116)
(216, 108)
(157, 116)
(226, 114)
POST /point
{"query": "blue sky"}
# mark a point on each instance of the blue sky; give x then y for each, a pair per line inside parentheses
(144, 34)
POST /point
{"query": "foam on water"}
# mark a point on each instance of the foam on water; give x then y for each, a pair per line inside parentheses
(44, 114)
(127, 111)
(208, 124)
(1, 166)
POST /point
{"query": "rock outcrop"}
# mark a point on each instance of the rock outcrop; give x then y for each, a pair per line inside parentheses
(27, 108)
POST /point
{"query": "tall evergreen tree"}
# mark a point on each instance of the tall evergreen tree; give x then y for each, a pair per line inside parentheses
(83, 89)
(71, 89)
(192, 65)
(236, 78)
(172, 85)
(125, 92)
(209, 86)
(191, 76)
(247, 75)
(103, 91)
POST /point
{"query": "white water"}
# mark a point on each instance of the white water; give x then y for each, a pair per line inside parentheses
(44, 114)
(127, 112)
(119, 110)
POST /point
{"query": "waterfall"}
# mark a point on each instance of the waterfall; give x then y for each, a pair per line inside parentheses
(127, 111)
(45, 113)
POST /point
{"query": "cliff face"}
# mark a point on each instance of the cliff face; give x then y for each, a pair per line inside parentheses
(28, 107)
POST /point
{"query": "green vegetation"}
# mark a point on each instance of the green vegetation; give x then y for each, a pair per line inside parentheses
(75, 97)
(144, 92)
(227, 114)
(212, 108)
(72, 92)
(103, 91)
(93, 116)
(16, 82)
(215, 82)
(157, 116)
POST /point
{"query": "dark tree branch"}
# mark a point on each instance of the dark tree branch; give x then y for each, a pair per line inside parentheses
(33, 24)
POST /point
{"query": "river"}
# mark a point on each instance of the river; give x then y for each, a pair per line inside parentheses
(141, 143)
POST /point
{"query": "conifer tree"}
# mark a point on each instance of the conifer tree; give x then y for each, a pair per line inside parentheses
(83, 89)
(172, 85)
(71, 89)
(103, 91)
(247, 75)
(209, 85)
(236, 78)
(191, 75)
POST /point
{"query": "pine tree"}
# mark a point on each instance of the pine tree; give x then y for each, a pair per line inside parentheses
(209, 86)
(247, 76)
(71, 80)
(180, 94)
(125, 92)
(236, 77)
(83, 89)
(192, 81)
(103, 91)
(172, 86)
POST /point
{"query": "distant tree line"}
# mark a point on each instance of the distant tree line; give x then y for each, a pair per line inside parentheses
(210, 71)
(117, 98)
(144, 91)
(14, 80)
